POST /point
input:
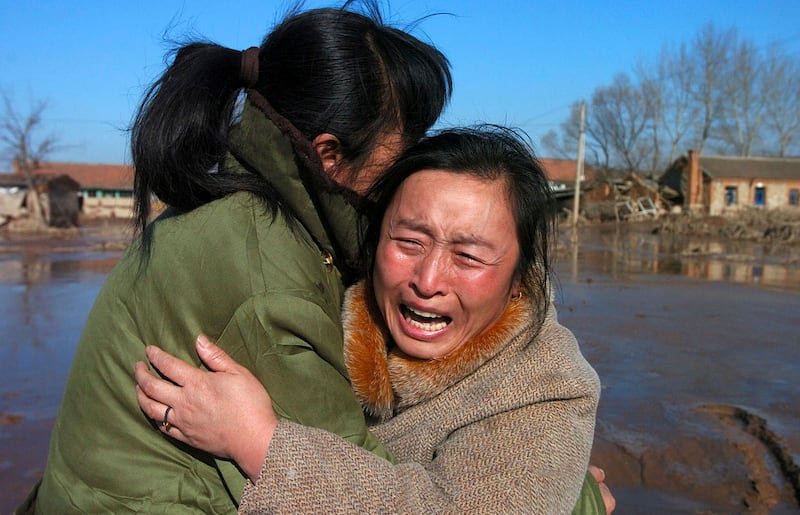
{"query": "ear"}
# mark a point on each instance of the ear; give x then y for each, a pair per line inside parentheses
(516, 289)
(329, 151)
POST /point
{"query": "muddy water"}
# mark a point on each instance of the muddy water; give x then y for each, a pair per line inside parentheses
(44, 301)
(696, 343)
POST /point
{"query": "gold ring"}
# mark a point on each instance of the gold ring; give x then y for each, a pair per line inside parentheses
(165, 423)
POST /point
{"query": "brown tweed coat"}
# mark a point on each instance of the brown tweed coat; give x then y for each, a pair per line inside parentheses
(504, 424)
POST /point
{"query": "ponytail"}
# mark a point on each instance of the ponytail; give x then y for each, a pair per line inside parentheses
(324, 70)
(179, 134)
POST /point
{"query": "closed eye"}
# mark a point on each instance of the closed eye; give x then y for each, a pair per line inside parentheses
(408, 244)
(470, 259)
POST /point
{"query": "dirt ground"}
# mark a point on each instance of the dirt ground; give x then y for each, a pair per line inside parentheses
(694, 339)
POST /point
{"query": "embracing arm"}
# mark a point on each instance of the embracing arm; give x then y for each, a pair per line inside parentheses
(501, 464)
(293, 345)
(202, 414)
(529, 459)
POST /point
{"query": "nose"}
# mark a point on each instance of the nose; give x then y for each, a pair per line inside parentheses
(430, 275)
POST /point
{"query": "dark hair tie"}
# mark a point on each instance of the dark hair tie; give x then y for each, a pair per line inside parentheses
(248, 70)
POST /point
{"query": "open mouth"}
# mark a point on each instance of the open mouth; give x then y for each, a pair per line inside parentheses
(423, 320)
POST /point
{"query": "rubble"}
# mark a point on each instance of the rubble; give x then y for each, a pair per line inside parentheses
(753, 224)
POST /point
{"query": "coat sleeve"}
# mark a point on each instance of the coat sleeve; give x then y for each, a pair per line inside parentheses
(531, 459)
(294, 348)
(309, 470)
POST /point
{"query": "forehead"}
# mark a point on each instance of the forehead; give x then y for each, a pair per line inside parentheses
(454, 205)
(451, 187)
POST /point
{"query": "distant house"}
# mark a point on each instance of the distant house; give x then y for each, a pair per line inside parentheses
(12, 197)
(563, 171)
(561, 174)
(104, 191)
(717, 184)
(58, 196)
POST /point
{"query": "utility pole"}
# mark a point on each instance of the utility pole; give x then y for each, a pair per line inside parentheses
(579, 170)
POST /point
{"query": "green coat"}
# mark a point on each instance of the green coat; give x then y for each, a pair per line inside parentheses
(265, 289)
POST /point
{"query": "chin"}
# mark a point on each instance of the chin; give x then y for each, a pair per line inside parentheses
(423, 350)
(415, 350)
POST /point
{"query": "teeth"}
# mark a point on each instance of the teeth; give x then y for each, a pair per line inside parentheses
(422, 313)
(438, 326)
(426, 326)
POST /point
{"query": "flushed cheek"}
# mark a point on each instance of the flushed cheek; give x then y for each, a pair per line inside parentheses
(477, 316)
(386, 296)
(395, 273)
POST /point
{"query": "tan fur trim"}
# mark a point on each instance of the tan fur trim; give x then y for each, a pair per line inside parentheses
(384, 381)
(365, 355)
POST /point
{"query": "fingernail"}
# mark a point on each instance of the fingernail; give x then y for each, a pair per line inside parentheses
(202, 341)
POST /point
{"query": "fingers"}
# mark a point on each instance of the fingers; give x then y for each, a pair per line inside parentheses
(152, 408)
(152, 393)
(174, 369)
(608, 498)
(157, 411)
(214, 357)
(598, 473)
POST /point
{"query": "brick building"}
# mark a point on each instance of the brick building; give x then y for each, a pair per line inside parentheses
(717, 185)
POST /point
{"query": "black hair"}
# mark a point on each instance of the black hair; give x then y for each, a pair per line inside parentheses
(324, 70)
(492, 153)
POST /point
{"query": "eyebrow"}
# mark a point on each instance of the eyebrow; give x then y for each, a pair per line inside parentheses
(460, 239)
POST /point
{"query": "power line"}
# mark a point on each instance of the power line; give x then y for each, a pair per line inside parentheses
(83, 121)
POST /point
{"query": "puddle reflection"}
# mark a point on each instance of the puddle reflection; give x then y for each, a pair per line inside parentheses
(45, 300)
(32, 269)
(621, 251)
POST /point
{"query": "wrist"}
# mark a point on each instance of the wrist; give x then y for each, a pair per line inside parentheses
(252, 456)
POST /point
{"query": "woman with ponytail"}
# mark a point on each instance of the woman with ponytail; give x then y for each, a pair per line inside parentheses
(260, 157)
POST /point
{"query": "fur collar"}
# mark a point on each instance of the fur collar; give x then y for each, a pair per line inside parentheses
(385, 380)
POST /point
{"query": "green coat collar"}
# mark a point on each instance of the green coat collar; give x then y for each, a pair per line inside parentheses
(324, 208)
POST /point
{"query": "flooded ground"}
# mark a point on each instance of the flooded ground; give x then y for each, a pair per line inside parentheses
(44, 301)
(696, 343)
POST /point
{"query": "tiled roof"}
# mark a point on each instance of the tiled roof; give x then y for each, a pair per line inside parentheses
(92, 176)
(10, 180)
(120, 177)
(563, 170)
(750, 167)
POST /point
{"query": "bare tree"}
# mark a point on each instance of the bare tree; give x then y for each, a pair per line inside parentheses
(716, 90)
(711, 51)
(564, 144)
(654, 94)
(561, 144)
(669, 92)
(619, 116)
(743, 111)
(781, 91)
(21, 142)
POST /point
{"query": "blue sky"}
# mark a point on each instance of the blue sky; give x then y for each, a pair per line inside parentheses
(520, 63)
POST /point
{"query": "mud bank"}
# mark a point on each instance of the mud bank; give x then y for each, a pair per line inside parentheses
(778, 225)
(92, 235)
